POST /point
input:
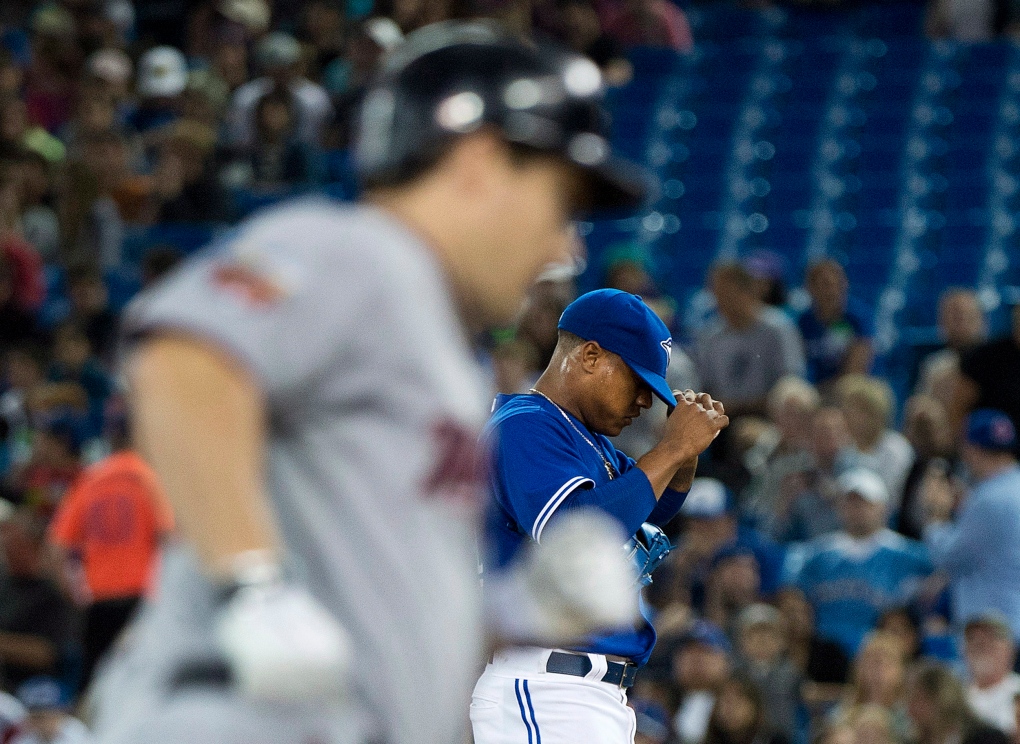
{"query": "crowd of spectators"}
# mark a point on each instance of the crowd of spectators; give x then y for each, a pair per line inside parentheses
(845, 566)
(826, 585)
(116, 117)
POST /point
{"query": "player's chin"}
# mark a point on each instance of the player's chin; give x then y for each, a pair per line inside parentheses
(619, 426)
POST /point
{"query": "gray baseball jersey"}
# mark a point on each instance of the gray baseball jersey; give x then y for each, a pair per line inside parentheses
(375, 400)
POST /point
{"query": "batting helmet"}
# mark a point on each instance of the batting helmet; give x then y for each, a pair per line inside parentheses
(453, 78)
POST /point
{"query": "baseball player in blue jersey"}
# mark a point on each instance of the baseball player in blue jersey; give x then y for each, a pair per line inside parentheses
(551, 457)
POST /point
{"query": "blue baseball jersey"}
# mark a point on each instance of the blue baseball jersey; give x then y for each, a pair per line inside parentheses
(542, 467)
(851, 582)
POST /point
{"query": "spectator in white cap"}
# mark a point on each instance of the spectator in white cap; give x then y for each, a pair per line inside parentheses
(852, 575)
(990, 652)
(162, 77)
(279, 56)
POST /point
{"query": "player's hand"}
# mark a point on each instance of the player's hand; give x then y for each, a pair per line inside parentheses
(578, 580)
(282, 645)
(694, 424)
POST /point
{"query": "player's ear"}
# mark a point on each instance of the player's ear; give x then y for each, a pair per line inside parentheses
(591, 354)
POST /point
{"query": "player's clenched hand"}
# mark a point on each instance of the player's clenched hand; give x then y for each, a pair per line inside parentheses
(282, 645)
(694, 424)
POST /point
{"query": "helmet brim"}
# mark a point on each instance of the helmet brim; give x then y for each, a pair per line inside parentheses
(617, 185)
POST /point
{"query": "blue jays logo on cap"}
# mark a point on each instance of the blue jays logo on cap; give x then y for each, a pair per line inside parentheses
(991, 429)
(622, 323)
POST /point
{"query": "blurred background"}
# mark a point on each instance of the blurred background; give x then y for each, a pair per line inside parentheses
(834, 244)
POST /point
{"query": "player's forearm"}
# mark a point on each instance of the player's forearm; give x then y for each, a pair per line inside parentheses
(199, 421)
(660, 464)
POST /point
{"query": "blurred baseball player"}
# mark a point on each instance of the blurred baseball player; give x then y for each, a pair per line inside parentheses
(308, 396)
(552, 456)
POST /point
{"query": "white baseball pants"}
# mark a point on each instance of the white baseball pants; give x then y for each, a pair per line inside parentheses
(517, 702)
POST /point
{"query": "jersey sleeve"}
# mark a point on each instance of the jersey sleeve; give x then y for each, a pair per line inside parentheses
(282, 295)
(540, 474)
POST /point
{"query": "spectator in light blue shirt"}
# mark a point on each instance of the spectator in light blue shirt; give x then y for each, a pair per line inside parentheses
(980, 550)
(851, 576)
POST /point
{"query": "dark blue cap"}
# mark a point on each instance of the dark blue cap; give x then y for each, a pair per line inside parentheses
(990, 429)
(622, 323)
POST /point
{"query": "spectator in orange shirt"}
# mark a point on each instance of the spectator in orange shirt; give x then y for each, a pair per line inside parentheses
(108, 531)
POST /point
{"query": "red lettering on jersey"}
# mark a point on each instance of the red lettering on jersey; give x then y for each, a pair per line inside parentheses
(248, 284)
(458, 473)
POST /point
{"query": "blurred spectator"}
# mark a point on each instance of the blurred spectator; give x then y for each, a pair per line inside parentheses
(513, 364)
(649, 23)
(276, 159)
(823, 664)
(278, 55)
(769, 271)
(17, 324)
(851, 576)
(24, 262)
(24, 373)
(185, 187)
(53, 466)
(40, 225)
(990, 653)
(871, 724)
(808, 501)
(987, 375)
(346, 76)
(56, 61)
(905, 625)
(733, 585)
(741, 715)
(583, 32)
(547, 299)
(91, 223)
(879, 678)
(162, 78)
(412, 14)
(49, 720)
(651, 722)
(90, 309)
(701, 665)
(37, 625)
(836, 330)
(214, 22)
(937, 705)
(978, 549)
(962, 327)
(962, 20)
(12, 77)
(781, 454)
(868, 404)
(926, 426)
(107, 532)
(748, 350)
(761, 655)
(709, 526)
(73, 362)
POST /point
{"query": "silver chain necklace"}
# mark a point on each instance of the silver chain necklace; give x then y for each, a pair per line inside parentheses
(610, 470)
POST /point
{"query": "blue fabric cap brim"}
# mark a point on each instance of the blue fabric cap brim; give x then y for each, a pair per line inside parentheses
(656, 382)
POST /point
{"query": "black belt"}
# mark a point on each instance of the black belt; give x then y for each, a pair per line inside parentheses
(576, 665)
